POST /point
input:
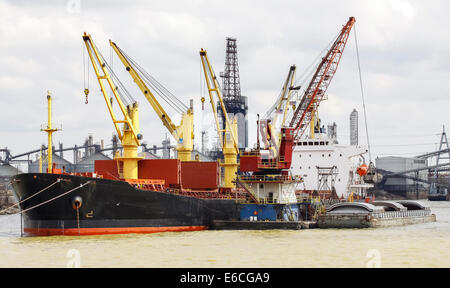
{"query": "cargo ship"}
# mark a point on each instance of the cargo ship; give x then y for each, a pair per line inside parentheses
(128, 194)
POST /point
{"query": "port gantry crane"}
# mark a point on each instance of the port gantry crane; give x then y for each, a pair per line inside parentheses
(315, 92)
(227, 137)
(184, 133)
(129, 135)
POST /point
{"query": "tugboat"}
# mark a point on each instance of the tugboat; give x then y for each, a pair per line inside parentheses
(438, 193)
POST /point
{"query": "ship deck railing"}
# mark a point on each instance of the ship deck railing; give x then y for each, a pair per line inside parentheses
(272, 163)
(269, 178)
(401, 214)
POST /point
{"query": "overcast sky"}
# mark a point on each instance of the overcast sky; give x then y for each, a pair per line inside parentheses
(404, 51)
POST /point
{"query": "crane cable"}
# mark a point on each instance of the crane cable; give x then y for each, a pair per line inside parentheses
(158, 88)
(86, 87)
(362, 93)
(309, 71)
(120, 88)
(28, 198)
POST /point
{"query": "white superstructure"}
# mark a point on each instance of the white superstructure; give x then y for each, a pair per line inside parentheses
(322, 153)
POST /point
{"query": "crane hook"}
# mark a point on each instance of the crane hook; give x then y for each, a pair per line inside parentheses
(86, 92)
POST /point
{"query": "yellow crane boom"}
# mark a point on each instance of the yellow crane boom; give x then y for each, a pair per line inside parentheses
(184, 133)
(229, 140)
(129, 135)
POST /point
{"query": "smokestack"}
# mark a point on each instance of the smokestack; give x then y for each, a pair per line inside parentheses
(91, 143)
(75, 154)
(61, 153)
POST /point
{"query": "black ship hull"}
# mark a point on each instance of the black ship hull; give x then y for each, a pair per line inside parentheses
(438, 197)
(109, 207)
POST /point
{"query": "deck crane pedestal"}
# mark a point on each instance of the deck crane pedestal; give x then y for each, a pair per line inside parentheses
(129, 134)
(184, 133)
(227, 137)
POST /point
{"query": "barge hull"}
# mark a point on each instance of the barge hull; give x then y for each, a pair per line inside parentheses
(365, 221)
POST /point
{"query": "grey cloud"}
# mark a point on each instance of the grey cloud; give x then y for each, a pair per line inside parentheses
(403, 55)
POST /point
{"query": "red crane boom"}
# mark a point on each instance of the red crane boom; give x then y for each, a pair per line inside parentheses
(321, 80)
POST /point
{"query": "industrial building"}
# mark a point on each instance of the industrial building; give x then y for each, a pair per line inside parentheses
(405, 184)
(87, 164)
(7, 171)
(58, 163)
(7, 197)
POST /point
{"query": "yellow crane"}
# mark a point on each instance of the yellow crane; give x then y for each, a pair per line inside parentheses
(184, 133)
(227, 137)
(129, 134)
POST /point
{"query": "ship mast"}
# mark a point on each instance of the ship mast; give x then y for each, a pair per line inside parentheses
(49, 129)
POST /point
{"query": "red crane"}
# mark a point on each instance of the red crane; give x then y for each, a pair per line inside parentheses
(253, 161)
(315, 92)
